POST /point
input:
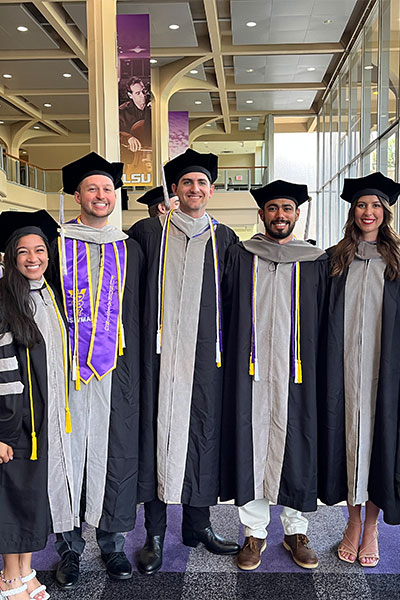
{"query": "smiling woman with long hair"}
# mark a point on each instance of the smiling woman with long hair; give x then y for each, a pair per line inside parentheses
(359, 456)
(35, 460)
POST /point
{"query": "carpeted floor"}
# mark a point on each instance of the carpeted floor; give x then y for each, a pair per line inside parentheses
(194, 573)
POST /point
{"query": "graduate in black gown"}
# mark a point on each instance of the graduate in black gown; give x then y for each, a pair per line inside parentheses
(359, 448)
(273, 292)
(35, 465)
(181, 355)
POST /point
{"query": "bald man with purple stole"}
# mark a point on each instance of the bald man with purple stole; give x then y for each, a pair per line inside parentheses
(99, 271)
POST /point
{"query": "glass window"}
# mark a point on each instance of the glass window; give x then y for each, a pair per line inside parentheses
(327, 139)
(370, 81)
(389, 62)
(387, 154)
(335, 131)
(369, 161)
(334, 209)
(344, 117)
(355, 100)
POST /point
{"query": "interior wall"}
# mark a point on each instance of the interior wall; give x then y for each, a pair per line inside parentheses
(55, 157)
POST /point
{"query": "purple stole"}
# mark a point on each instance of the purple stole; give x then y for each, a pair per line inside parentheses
(95, 333)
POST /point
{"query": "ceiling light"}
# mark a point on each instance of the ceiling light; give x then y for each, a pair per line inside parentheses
(249, 119)
(197, 101)
(22, 28)
(153, 61)
(67, 75)
(249, 70)
(310, 69)
(1, 122)
(208, 125)
(173, 26)
(328, 21)
(47, 104)
(194, 71)
(247, 127)
(249, 101)
(369, 67)
(7, 76)
(300, 99)
(251, 24)
(36, 127)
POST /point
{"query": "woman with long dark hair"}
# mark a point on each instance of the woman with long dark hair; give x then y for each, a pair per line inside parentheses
(35, 461)
(359, 456)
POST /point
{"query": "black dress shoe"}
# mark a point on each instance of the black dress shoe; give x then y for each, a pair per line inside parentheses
(117, 565)
(212, 541)
(150, 556)
(67, 573)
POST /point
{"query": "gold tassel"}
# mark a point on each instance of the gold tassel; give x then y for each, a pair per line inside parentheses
(78, 383)
(68, 426)
(251, 367)
(34, 446)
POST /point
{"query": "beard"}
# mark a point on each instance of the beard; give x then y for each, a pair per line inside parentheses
(279, 235)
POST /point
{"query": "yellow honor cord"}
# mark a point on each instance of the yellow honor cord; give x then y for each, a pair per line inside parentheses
(299, 378)
(120, 344)
(68, 427)
(75, 299)
(163, 275)
(33, 432)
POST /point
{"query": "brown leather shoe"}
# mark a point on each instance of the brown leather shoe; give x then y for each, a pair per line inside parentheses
(249, 557)
(302, 553)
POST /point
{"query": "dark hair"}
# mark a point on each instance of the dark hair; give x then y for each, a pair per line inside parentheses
(17, 307)
(133, 81)
(388, 243)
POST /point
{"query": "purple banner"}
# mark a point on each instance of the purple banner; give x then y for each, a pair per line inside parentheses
(134, 89)
(178, 132)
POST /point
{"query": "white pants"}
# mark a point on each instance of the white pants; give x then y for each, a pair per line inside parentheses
(255, 517)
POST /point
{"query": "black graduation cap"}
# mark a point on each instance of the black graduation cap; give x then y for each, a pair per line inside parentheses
(280, 189)
(374, 184)
(91, 164)
(39, 222)
(191, 162)
(153, 196)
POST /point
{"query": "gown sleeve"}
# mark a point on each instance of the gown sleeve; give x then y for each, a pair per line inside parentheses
(11, 392)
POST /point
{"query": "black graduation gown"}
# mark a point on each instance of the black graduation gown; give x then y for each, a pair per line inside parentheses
(201, 481)
(384, 475)
(119, 506)
(298, 483)
(25, 520)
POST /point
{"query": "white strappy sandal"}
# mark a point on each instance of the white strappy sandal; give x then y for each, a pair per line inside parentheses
(40, 592)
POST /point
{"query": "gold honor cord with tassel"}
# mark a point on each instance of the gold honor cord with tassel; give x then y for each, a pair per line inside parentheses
(253, 363)
(33, 432)
(297, 372)
(161, 279)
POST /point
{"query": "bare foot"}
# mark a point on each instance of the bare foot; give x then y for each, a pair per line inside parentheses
(348, 547)
(369, 549)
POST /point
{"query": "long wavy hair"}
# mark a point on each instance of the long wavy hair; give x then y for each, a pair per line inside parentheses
(388, 244)
(17, 309)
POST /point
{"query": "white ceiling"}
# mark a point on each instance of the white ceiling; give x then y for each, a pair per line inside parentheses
(186, 101)
(161, 16)
(289, 21)
(280, 100)
(281, 68)
(13, 16)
